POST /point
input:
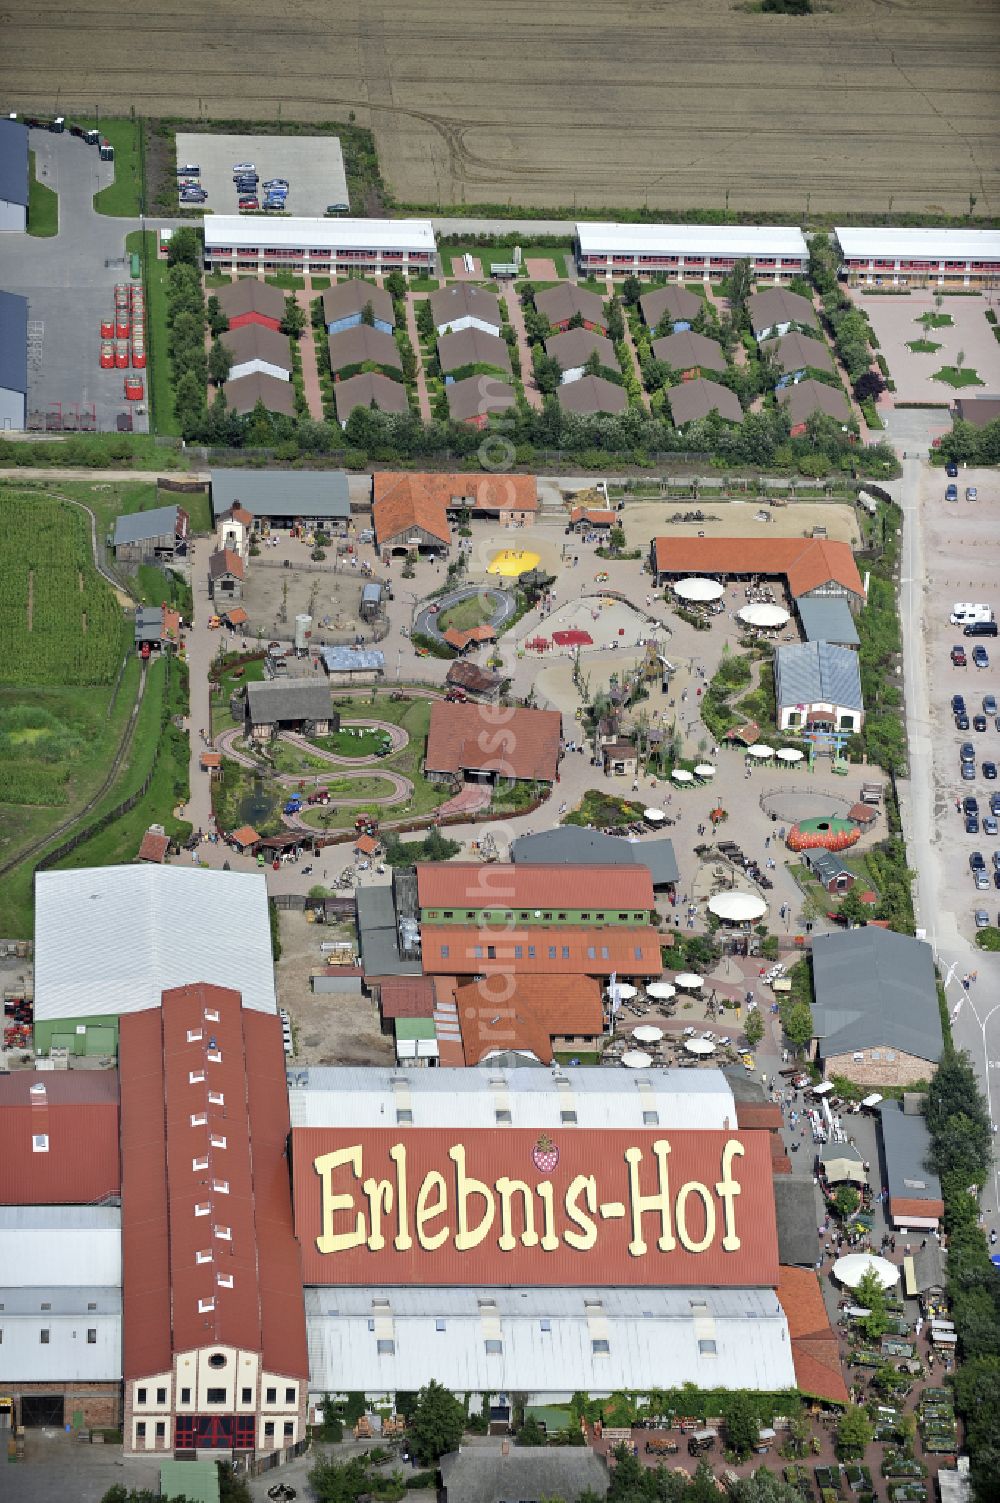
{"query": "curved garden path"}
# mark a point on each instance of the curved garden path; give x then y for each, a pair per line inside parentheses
(358, 767)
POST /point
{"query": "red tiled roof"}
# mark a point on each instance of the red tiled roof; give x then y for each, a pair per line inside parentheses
(225, 561)
(407, 997)
(471, 677)
(901, 1207)
(245, 835)
(467, 885)
(814, 1345)
(78, 1113)
(211, 759)
(804, 562)
(402, 502)
(174, 1059)
(526, 1012)
(760, 1114)
(237, 616)
(464, 492)
(366, 844)
(461, 639)
(591, 514)
(153, 847)
(464, 950)
(479, 738)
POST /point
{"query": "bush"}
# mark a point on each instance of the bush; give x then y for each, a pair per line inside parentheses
(421, 1479)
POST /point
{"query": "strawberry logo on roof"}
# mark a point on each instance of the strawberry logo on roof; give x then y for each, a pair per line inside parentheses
(545, 1154)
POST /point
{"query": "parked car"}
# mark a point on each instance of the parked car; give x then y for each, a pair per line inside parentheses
(982, 881)
(995, 803)
(968, 772)
(989, 704)
(977, 861)
(972, 824)
(970, 804)
(276, 182)
(189, 170)
(248, 203)
(980, 657)
(961, 721)
(958, 704)
(958, 657)
(967, 752)
(191, 197)
(241, 167)
(951, 493)
(971, 494)
(979, 722)
(982, 919)
(951, 469)
(996, 860)
(990, 771)
(991, 825)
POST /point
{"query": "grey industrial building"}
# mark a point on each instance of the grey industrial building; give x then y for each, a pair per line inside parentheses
(13, 175)
(296, 705)
(283, 498)
(827, 620)
(13, 360)
(818, 685)
(571, 845)
(144, 537)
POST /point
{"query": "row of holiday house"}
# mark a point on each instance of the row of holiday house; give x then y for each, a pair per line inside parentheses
(777, 253)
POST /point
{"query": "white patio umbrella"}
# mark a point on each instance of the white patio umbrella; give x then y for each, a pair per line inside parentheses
(653, 816)
(699, 1046)
(704, 770)
(636, 1059)
(850, 1270)
(681, 775)
(648, 1034)
(687, 981)
(764, 615)
(790, 754)
(662, 991)
(737, 907)
(760, 751)
(625, 990)
(699, 589)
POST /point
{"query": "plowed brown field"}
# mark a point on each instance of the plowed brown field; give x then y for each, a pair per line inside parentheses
(865, 104)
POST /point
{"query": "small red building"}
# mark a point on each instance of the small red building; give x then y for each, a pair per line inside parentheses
(251, 302)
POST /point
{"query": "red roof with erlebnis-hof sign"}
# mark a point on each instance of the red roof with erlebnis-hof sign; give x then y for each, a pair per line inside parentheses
(385, 1206)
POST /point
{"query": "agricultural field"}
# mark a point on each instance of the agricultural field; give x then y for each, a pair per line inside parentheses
(855, 107)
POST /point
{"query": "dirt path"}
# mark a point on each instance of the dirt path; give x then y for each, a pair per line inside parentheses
(423, 400)
(310, 368)
(516, 315)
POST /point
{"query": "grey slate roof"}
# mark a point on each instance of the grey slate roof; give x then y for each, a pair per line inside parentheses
(687, 349)
(472, 347)
(377, 933)
(930, 1266)
(676, 303)
(572, 845)
(827, 620)
(797, 352)
(14, 162)
(875, 988)
(282, 493)
(795, 1205)
(345, 299)
(13, 337)
(693, 400)
(288, 700)
(591, 395)
(804, 398)
(824, 864)
(807, 673)
(139, 526)
(524, 1473)
(906, 1147)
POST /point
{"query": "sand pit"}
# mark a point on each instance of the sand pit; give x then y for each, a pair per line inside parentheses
(509, 563)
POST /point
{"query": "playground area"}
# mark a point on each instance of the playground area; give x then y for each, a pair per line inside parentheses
(511, 563)
(594, 623)
(274, 595)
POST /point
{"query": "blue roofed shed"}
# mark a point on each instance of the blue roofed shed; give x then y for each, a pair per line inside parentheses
(828, 619)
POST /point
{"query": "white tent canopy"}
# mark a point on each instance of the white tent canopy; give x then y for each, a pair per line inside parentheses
(760, 751)
(704, 770)
(687, 981)
(699, 1046)
(681, 775)
(850, 1270)
(625, 990)
(699, 589)
(844, 1171)
(764, 615)
(654, 816)
(737, 907)
(662, 991)
(648, 1034)
(636, 1059)
(790, 754)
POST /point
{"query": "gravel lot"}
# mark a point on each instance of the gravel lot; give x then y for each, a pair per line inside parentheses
(328, 1030)
(313, 165)
(894, 320)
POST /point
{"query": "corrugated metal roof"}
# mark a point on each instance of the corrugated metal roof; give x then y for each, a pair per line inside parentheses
(60, 1137)
(68, 1356)
(282, 493)
(875, 988)
(808, 673)
(110, 940)
(922, 242)
(611, 1097)
(370, 235)
(828, 620)
(13, 337)
(138, 526)
(690, 240)
(353, 660)
(468, 885)
(294, 699)
(74, 1299)
(906, 1148)
(547, 1339)
(479, 1475)
(14, 162)
(572, 845)
(40, 1245)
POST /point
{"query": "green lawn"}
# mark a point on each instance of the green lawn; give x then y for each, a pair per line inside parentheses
(158, 385)
(922, 346)
(956, 376)
(287, 281)
(320, 284)
(217, 279)
(468, 613)
(935, 320)
(423, 284)
(123, 197)
(43, 204)
(488, 255)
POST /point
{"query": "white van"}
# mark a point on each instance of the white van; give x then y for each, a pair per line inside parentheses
(964, 614)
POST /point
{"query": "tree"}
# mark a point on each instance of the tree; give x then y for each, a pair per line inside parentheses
(739, 285)
(592, 364)
(870, 1296)
(395, 285)
(960, 359)
(869, 386)
(753, 1028)
(616, 538)
(797, 1023)
(220, 363)
(218, 323)
(531, 1433)
(293, 320)
(184, 248)
(631, 291)
(846, 1201)
(616, 320)
(437, 1423)
(854, 1434)
(742, 1424)
(852, 909)
(958, 1120)
(548, 371)
(368, 314)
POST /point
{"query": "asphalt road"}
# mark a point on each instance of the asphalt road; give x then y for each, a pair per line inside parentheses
(426, 621)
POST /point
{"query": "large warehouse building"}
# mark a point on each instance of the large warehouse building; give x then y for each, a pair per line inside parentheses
(685, 251)
(13, 362)
(331, 247)
(13, 175)
(919, 257)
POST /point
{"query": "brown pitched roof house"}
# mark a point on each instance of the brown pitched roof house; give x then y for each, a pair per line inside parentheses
(806, 563)
(477, 397)
(361, 344)
(243, 394)
(473, 637)
(466, 738)
(256, 342)
(472, 347)
(249, 295)
(539, 1009)
(592, 395)
(560, 303)
(574, 348)
(461, 300)
(977, 410)
(693, 400)
(154, 847)
(806, 397)
(405, 504)
(687, 350)
(349, 299)
(224, 561)
(675, 303)
(776, 306)
(488, 494)
(462, 884)
(370, 389)
(474, 680)
(594, 516)
(797, 352)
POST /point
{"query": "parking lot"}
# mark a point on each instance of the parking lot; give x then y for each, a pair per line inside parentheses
(313, 166)
(69, 282)
(895, 321)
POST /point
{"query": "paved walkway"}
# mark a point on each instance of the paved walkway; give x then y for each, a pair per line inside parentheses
(516, 315)
(310, 368)
(423, 400)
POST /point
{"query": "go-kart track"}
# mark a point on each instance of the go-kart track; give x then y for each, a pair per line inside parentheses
(504, 605)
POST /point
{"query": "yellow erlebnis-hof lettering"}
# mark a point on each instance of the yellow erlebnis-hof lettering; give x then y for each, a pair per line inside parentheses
(385, 1204)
